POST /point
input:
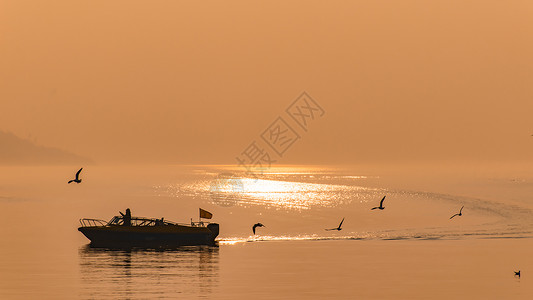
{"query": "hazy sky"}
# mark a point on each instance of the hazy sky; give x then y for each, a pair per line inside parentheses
(198, 81)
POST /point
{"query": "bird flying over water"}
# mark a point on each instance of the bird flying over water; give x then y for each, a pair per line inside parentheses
(77, 180)
(380, 204)
(459, 214)
(257, 225)
(338, 228)
(517, 273)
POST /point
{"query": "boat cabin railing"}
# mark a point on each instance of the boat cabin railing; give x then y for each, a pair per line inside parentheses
(199, 224)
(92, 222)
(136, 221)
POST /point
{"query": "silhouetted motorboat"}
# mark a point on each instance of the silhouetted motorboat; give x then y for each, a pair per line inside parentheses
(147, 232)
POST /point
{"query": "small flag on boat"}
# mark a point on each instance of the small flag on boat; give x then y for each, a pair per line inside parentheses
(205, 214)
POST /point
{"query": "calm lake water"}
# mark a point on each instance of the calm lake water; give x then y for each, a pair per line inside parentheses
(410, 250)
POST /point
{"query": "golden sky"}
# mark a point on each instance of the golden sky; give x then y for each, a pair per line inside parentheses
(198, 81)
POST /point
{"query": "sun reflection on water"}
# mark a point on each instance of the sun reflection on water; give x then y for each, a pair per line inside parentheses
(277, 190)
(297, 195)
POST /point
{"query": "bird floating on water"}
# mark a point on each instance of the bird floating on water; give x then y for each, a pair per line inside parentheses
(77, 180)
(380, 204)
(257, 225)
(459, 214)
(517, 273)
(338, 228)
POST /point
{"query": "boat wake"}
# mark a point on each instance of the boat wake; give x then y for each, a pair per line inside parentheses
(383, 236)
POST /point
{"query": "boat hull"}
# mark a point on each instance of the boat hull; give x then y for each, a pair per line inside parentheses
(150, 236)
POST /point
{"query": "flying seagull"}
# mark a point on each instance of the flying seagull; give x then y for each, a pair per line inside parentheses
(257, 225)
(517, 273)
(338, 228)
(77, 180)
(380, 204)
(459, 214)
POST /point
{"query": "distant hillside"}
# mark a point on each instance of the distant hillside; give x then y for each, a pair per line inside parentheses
(17, 151)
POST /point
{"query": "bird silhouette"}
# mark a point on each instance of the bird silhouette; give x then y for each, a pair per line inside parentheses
(77, 180)
(517, 273)
(459, 214)
(338, 228)
(380, 204)
(257, 225)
